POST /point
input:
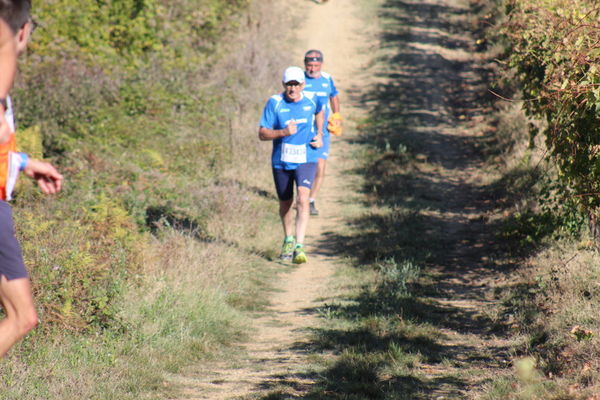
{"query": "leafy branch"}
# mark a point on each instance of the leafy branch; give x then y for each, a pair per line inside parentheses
(555, 50)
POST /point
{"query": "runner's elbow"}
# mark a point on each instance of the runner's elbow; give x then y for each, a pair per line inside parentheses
(263, 134)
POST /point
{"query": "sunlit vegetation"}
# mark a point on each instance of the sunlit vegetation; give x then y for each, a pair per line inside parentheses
(157, 242)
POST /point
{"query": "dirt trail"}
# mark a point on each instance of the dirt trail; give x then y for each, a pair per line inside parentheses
(432, 80)
(439, 96)
(275, 352)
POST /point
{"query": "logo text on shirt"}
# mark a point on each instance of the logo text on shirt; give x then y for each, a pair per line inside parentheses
(297, 121)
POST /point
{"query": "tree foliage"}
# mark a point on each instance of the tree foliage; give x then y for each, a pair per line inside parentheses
(124, 31)
(555, 49)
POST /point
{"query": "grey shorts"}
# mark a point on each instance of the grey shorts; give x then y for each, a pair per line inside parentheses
(11, 257)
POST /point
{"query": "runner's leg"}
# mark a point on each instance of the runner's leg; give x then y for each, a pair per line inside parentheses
(319, 177)
(305, 176)
(286, 213)
(19, 308)
(284, 185)
(302, 214)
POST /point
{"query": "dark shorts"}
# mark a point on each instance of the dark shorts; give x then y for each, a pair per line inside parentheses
(11, 257)
(304, 175)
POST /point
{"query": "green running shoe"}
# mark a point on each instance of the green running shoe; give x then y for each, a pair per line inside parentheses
(299, 255)
(287, 249)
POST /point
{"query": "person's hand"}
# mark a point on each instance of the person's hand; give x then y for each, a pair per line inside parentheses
(47, 177)
(317, 141)
(291, 128)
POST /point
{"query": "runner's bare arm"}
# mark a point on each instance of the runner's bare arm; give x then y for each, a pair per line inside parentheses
(320, 121)
(335, 104)
(272, 134)
(335, 108)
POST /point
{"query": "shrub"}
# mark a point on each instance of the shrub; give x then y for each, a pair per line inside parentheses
(554, 51)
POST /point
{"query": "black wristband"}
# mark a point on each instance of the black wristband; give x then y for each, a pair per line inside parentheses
(3, 103)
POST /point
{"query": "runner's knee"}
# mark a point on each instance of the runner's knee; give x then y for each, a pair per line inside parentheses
(303, 195)
(27, 321)
(23, 322)
(285, 205)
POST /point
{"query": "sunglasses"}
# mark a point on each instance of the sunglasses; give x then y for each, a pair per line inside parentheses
(293, 83)
(312, 59)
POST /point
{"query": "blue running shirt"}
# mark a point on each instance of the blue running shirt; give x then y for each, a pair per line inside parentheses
(291, 151)
(324, 88)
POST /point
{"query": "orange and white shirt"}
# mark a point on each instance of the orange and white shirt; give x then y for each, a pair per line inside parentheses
(10, 160)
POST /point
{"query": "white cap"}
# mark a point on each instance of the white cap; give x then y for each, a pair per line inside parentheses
(293, 74)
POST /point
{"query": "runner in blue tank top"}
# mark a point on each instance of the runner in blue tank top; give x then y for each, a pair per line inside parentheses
(321, 84)
(294, 122)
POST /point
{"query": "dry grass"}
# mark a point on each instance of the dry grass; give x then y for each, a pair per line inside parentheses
(553, 304)
(206, 261)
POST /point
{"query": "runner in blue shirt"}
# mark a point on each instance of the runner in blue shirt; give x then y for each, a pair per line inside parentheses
(294, 121)
(321, 84)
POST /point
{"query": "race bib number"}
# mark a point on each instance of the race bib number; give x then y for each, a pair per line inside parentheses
(293, 153)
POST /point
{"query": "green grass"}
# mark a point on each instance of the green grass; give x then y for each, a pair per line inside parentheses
(373, 337)
(185, 306)
(159, 245)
